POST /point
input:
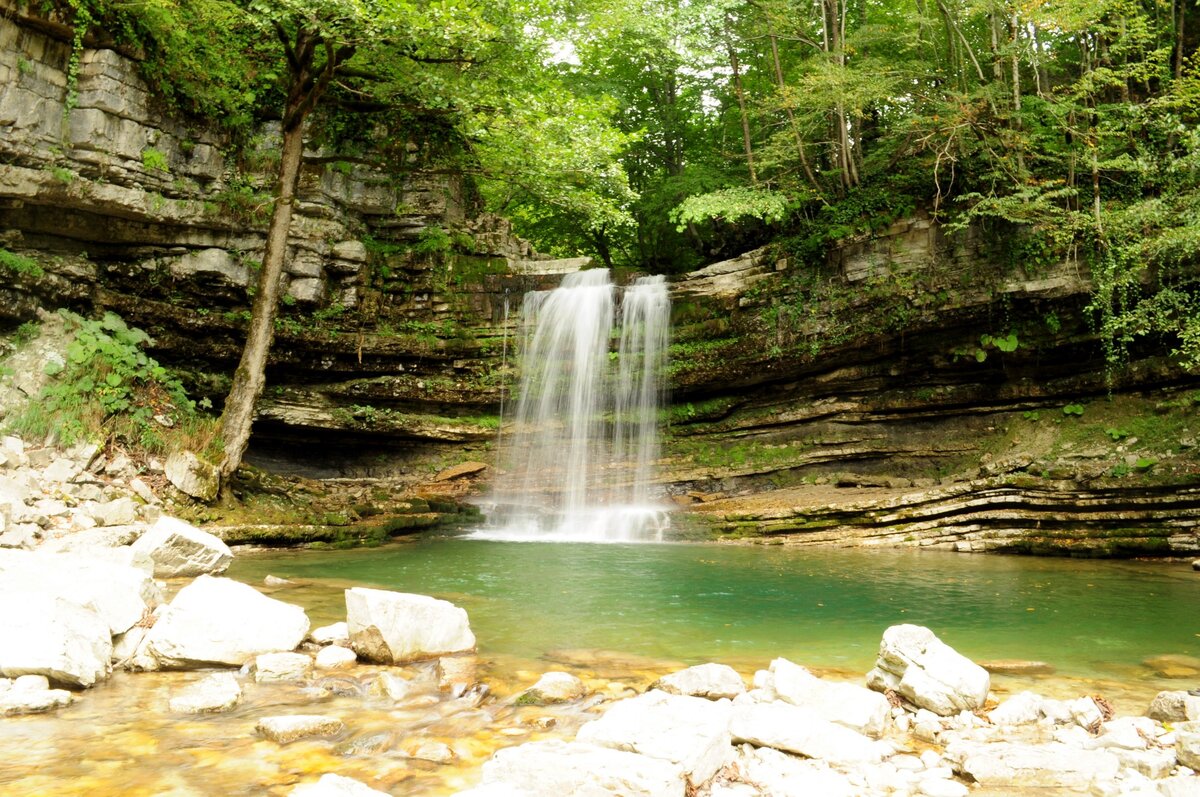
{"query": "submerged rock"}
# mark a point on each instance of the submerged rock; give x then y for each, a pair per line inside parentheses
(270, 667)
(554, 769)
(691, 732)
(220, 621)
(289, 728)
(398, 627)
(927, 672)
(218, 692)
(713, 681)
(553, 687)
(331, 785)
(180, 549)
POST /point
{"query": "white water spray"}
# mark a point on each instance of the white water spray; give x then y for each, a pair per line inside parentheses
(578, 457)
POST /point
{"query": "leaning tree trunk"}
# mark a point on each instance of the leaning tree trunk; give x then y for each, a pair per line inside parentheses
(250, 377)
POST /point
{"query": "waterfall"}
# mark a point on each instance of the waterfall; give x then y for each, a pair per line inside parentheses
(578, 456)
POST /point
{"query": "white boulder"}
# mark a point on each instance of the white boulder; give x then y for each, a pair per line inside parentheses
(119, 593)
(713, 681)
(32, 701)
(180, 549)
(398, 627)
(554, 769)
(217, 692)
(331, 785)
(846, 704)
(692, 732)
(1174, 706)
(335, 634)
(780, 775)
(270, 667)
(927, 672)
(44, 634)
(118, 512)
(220, 621)
(335, 657)
(801, 730)
(1023, 708)
(1013, 765)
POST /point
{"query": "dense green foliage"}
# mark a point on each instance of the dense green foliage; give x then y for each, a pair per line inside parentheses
(108, 389)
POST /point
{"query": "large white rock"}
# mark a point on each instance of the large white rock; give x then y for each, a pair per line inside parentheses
(44, 634)
(1174, 706)
(32, 701)
(846, 704)
(927, 672)
(801, 730)
(692, 732)
(1023, 708)
(180, 549)
(555, 769)
(331, 785)
(1012, 765)
(780, 775)
(218, 692)
(220, 621)
(118, 512)
(397, 627)
(119, 593)
(335, 657)
(713, 681)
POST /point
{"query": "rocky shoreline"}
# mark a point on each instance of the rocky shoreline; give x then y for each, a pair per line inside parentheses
(89, 560)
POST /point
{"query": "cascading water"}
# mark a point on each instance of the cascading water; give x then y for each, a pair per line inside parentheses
(578, 457)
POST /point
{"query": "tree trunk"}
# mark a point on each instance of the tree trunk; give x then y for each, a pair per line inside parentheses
(808, 172)
(735, 66)
(250, 376)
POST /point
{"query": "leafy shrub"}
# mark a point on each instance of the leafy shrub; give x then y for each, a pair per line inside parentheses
(19, 264)
(109, 389)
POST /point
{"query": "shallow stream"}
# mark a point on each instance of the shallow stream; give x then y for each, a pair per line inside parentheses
(618, 616)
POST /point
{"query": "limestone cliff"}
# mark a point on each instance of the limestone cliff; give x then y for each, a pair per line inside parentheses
(915, 387)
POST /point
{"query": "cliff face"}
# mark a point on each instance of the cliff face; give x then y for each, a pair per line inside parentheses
(916, 387)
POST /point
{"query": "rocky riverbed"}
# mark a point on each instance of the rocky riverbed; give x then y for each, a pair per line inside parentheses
(130, 665)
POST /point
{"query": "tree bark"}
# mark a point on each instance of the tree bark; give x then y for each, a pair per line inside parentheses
(250, 376)
(808, 172)
(741, 98)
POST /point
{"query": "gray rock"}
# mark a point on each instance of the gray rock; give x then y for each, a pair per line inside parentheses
(1187, 744)
(713, 681)
(331, 785)
(1174, 706)
(397, 627)
(691, 732)
(270, 667)
(180, 549)
(213, 263)
(350, 250)
(554, 768)
(289, 728)
(391, 686)
(215, 693)
(928, 673)
(120, 512)
(220, 621)
(191, 476)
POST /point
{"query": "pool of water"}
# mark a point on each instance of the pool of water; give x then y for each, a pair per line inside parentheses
(825, 608)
